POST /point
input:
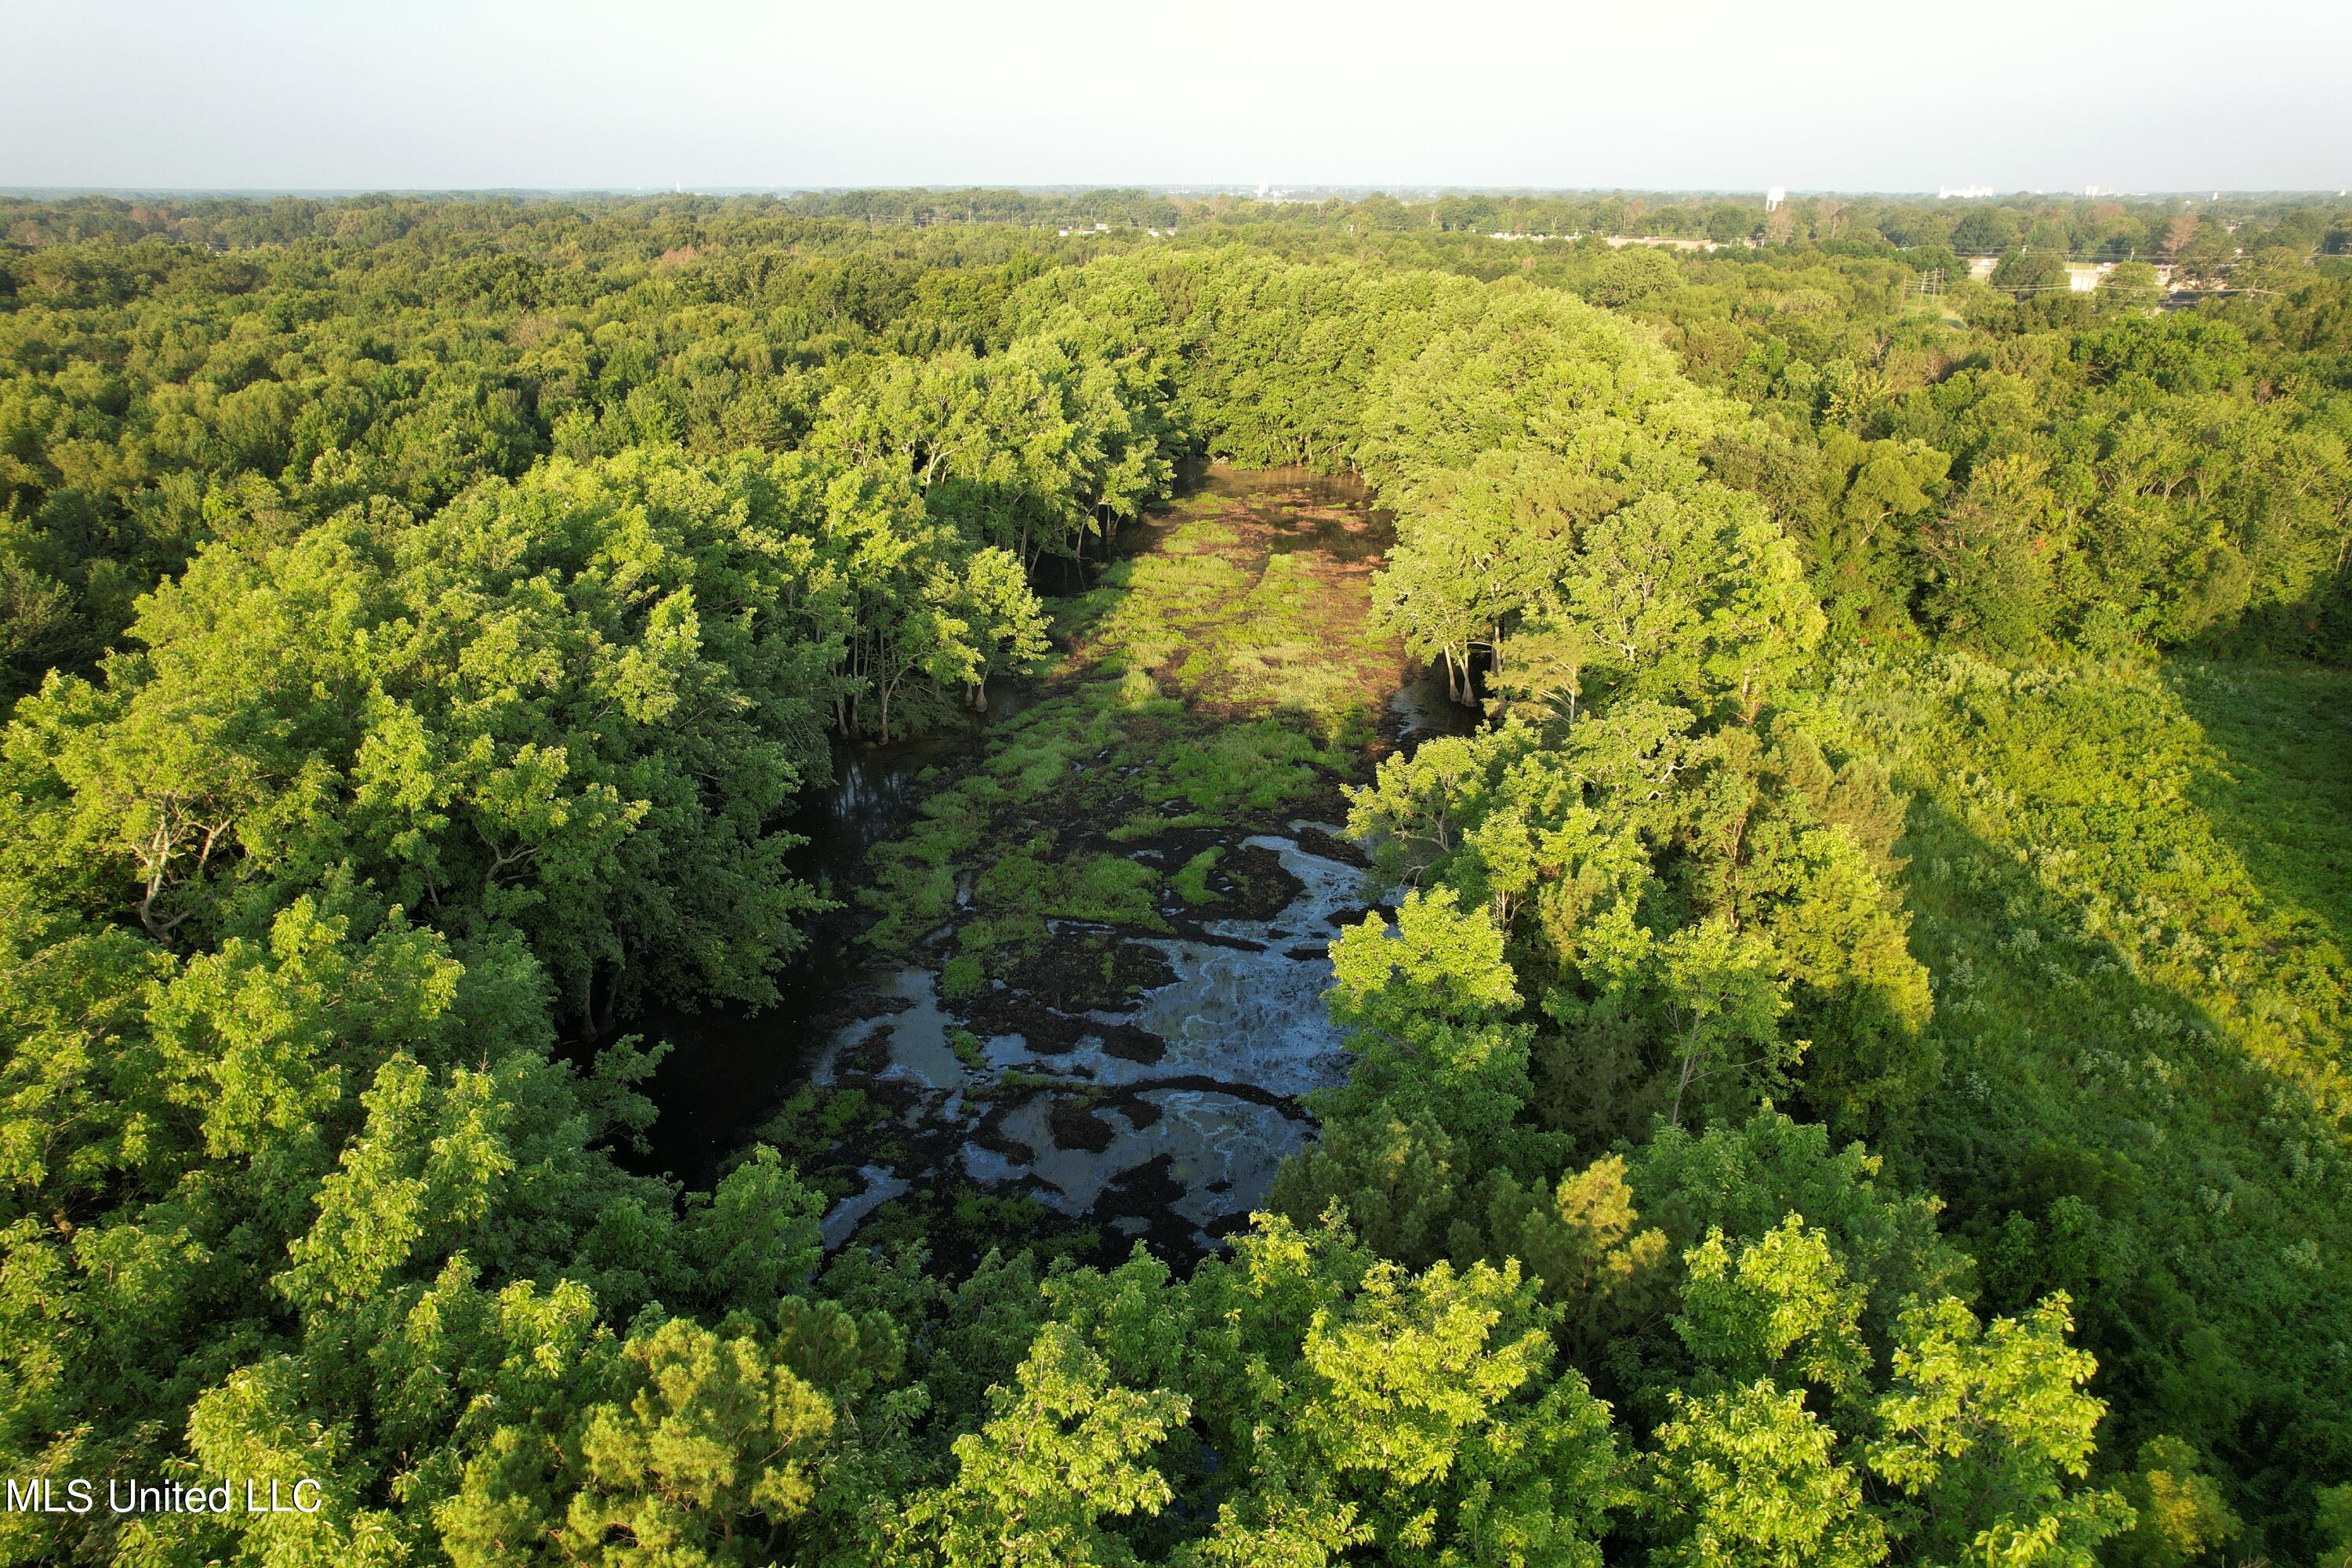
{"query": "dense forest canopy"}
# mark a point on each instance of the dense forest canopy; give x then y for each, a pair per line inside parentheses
(1849, 1060)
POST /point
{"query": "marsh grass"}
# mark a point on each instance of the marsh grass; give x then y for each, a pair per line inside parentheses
(1214, 683)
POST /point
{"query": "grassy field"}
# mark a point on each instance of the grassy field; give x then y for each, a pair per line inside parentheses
(2130, 884)
(2280, 788)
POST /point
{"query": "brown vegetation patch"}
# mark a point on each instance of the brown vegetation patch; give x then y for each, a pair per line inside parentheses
(1315, 841)
(1008, 1012)
(1076, 1126)
(1077, 973)
(1252, 880)
(1131, 1044)
(1150, 1191)
(869, 1055)
(989, 1133)
(1140, 1112)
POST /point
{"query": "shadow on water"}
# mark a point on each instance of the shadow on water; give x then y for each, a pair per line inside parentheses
(1422, 707)
(729, 1069)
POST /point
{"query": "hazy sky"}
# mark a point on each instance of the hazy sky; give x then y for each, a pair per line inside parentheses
(1660, 93)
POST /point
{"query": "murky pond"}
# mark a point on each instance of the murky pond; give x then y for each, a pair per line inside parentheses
(1190, 1127)
(1166, 1114)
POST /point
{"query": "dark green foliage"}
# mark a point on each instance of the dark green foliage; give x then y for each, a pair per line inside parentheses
(1849, 1065)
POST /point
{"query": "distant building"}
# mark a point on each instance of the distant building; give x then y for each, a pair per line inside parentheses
(1773, 198)
(1620, 241)
(1962, 193)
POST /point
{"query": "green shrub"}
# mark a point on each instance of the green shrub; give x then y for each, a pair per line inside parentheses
(961, 978)
(1191, 883)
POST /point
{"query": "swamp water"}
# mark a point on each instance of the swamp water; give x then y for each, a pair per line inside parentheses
(1091, 1130)
(1164, 1114)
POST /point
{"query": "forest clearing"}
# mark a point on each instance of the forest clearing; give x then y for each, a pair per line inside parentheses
(1094, 954)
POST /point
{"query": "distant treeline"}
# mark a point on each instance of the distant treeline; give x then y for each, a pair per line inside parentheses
(2101, 227)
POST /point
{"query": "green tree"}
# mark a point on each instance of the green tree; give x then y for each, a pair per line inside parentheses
(1987, 1423)
(1748, 1477)
(1062, 1452)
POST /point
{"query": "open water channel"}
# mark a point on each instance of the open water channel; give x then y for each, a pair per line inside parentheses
(1166, 1115)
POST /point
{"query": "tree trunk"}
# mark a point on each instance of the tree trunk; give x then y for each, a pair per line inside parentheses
(1690, 1070)
(602, 1023)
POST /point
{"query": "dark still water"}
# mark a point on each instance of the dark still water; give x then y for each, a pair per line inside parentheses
(730, 1069)
(1165, 1113)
